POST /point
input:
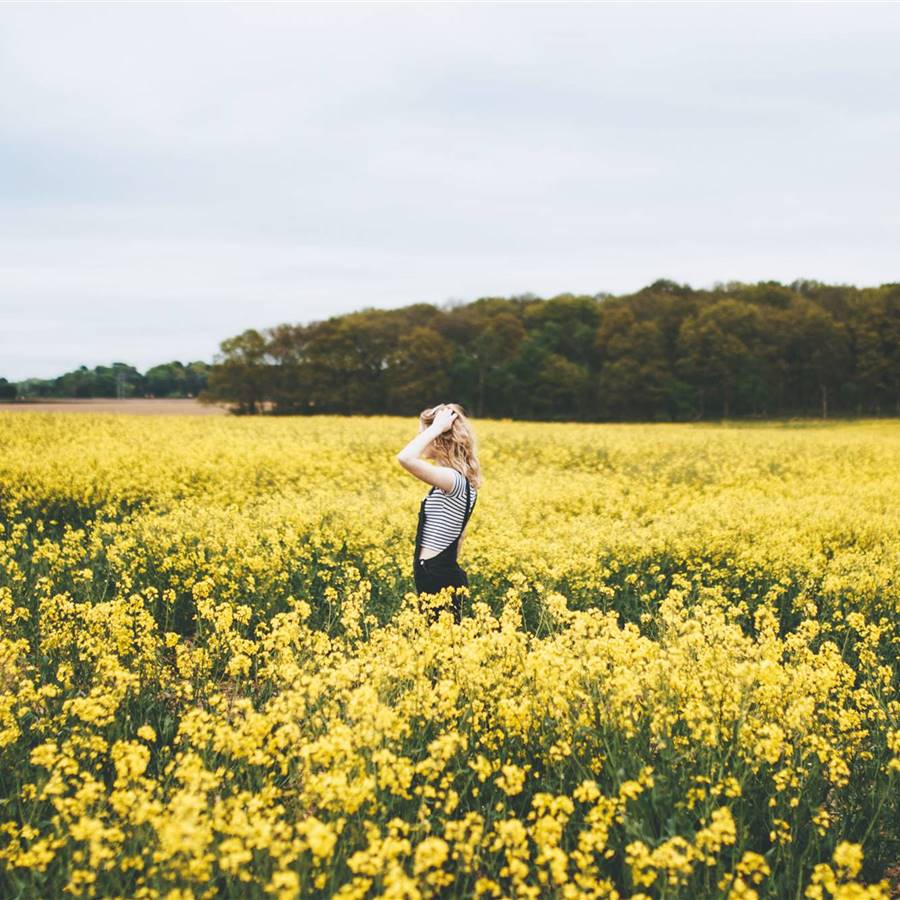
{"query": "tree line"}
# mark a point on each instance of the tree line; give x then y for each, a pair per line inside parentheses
(665, 353)
(171, 379)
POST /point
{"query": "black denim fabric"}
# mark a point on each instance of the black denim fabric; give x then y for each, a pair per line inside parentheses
(432, 576)
(442, 570)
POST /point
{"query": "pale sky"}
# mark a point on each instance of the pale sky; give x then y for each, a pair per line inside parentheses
(171, 174)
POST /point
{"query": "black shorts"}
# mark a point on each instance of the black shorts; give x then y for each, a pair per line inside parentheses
(431, 575)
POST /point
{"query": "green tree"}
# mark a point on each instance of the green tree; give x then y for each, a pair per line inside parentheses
(418, 371)
(633, 368)
(562, 388)
(498, 343)
(817, 351)
(877, 339)
(718, 352)
(240, 373)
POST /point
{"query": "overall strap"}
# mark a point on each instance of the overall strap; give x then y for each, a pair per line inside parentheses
(468, 511)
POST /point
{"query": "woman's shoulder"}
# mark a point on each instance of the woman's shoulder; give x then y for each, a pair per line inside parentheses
(459, 486)
(460, 482)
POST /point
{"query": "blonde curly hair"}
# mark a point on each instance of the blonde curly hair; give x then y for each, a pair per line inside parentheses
(457, 447)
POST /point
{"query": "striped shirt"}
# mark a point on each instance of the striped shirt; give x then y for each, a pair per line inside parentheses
(444, 514)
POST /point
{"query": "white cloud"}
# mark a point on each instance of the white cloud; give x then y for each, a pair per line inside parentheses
(173, 173)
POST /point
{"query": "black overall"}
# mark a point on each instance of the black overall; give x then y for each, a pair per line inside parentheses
(442, 570)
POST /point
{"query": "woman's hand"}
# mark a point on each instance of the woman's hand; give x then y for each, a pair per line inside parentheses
(444, 419)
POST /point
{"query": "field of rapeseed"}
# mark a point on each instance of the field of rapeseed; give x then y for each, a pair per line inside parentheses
(676, 675)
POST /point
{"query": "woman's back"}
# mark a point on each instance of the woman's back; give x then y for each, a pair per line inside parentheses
(444, 514)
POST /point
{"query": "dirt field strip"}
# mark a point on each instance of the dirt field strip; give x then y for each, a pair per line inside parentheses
(136, 405)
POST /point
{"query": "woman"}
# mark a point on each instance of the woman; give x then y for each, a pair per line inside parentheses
(446, 437)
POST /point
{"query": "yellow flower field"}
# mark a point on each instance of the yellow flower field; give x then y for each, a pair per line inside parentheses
(676, 675)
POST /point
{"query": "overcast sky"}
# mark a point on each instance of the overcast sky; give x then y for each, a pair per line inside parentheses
(171, 174)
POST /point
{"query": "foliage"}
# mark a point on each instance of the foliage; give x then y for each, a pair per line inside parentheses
(676, 676)
(120, 379)
(665, 353)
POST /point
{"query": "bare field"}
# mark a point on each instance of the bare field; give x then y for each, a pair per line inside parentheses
(138, 405)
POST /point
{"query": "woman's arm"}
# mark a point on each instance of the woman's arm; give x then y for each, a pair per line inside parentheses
(408, 457)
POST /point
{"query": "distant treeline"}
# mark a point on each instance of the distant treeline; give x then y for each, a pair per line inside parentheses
(665, 353)
(118, 380)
